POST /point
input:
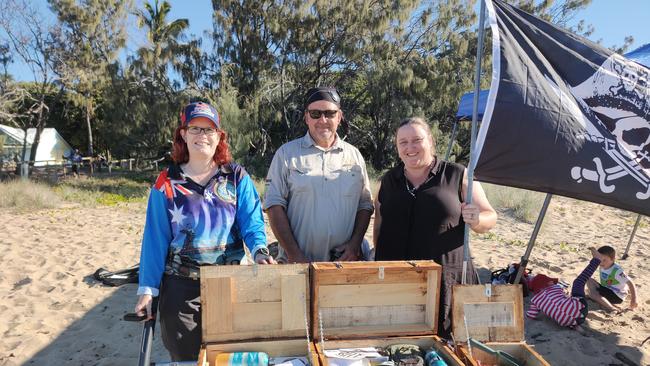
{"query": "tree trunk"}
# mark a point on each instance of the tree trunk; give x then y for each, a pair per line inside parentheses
(39, 129)
(34, 148)
(91, 153)
(22, 167)
(90, 131)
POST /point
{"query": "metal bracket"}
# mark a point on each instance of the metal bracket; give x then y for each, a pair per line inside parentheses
(381, 273)
(488, 290)
(338, 265)
(255, 270)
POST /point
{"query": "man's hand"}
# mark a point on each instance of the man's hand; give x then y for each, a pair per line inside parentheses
(351, 251)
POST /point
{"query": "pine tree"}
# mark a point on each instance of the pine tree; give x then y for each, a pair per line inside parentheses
(93, 34)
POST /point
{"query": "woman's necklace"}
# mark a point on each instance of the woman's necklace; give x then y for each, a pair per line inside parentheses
(413, 190)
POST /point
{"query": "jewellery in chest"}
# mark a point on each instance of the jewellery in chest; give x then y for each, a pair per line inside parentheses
(409, 189)
(413, 190)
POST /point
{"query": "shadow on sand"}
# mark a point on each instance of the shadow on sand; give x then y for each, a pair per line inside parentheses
(101, 337)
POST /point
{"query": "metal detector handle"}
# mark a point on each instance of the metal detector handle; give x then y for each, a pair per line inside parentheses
(133, 317)
(144, 358)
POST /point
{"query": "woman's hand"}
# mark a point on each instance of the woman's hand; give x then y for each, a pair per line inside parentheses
(263, 257)
(143, 307)
(471, 214)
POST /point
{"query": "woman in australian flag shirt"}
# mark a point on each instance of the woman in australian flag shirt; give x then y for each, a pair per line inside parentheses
(201, 211)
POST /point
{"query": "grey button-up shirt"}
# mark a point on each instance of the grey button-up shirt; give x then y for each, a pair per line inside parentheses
(321, 190)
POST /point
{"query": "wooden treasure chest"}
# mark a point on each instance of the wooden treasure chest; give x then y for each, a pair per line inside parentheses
(256, 308)
(376, 304)
(492, 316)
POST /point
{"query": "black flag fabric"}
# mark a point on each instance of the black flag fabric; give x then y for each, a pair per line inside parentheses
(564, 115)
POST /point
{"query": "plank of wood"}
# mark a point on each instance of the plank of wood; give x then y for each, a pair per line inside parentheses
(294, 302)
(257, 335)
(365, 332)
(433, 299)
(217, 299)
(274, 348)
(369, 295)
(371, 276)
(251, 271)
(255, 283)
(487, 315)
(422, 265)
(253, 316)
(203, 357)
(521, 351)
(389, 316)
(511, 331)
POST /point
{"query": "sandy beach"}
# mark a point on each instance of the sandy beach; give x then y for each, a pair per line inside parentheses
(55, 313)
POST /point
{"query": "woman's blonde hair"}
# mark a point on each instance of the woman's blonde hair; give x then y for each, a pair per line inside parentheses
(418, 121)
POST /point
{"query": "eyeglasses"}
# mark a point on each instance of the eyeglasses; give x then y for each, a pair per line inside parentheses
(315, 113)
(193, 130)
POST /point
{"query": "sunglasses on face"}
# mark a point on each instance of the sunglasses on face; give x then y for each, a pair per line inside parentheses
(315, 113)
(208, 131)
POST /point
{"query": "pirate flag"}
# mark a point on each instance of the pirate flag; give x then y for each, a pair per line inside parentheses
(564, 115)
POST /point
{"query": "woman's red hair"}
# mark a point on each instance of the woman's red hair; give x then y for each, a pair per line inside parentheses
(181, 155)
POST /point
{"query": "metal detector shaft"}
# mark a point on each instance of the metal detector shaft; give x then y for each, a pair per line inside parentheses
(144, 359)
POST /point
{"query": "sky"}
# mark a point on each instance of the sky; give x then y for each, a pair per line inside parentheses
(612, 19)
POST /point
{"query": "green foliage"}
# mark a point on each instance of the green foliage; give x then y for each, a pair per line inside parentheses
(390, 59)
(93, 33)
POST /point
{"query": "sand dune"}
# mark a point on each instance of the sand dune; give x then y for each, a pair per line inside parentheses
(54, 313)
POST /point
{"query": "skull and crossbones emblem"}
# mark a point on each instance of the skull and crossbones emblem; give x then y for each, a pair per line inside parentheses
(617, 98)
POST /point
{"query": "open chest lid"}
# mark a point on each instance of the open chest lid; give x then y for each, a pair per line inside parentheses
(254, 302)
(488, 313)
(353, 300)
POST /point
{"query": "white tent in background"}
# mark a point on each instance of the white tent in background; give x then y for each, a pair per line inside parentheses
(51, 148)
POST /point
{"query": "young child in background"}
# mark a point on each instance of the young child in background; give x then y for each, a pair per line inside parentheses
(614, 284)
(550, 298)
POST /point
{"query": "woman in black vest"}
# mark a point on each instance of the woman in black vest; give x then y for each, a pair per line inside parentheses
(421, 211)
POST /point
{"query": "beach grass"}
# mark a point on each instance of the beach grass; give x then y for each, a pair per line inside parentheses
(29, 195)
(522, 204)
(112, 190)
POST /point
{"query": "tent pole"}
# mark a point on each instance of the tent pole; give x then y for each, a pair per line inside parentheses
(533, 237)
(451, 139)
(472, 148)
(629, 243)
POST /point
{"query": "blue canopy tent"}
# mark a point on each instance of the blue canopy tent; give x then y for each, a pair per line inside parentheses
(465, 109)
(640, 55)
